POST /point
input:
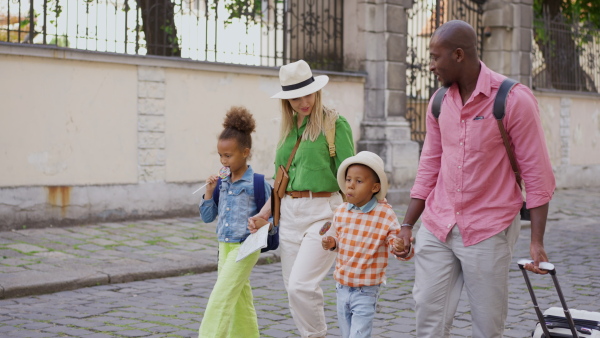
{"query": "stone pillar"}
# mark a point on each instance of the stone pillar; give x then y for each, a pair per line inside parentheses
(508, 42)
(375, 42)
(151, 124)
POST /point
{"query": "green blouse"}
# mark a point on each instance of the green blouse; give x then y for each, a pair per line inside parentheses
(312, 168)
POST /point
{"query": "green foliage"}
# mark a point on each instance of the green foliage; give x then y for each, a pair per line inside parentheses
(586, 12)
(251, 10)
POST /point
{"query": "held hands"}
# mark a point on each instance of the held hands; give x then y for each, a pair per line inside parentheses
(255, 223)
(328, 242)
(211, 183)
(402, 245)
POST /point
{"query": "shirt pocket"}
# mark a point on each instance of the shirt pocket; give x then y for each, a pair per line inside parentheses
(483, 135)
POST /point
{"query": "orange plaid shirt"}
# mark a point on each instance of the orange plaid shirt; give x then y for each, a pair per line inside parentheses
(362, 240)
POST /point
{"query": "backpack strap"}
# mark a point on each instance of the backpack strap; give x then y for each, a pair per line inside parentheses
(259, 191)
(330, 136)
(500, 101)
(499, 112)
(436, 106)
(217, 192)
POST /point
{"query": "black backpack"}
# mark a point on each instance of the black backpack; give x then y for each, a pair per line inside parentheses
(259, 198)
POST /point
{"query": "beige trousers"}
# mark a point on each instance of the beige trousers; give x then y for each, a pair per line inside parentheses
(441, 270)
(304, 262)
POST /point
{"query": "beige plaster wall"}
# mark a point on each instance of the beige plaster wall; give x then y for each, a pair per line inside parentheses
(87, 136)
(67, 123)
(196, 103)
(585, 132)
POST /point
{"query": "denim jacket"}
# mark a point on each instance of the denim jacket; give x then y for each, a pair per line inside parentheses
(236, 205)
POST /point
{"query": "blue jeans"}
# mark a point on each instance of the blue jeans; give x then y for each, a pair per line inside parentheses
(356, 309)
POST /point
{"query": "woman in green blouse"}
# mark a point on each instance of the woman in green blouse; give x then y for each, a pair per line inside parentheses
(312, 193)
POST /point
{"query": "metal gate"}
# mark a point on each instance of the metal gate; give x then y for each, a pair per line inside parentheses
(423, 19)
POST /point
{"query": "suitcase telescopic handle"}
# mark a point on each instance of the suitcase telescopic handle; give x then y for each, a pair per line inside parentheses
(550, 268)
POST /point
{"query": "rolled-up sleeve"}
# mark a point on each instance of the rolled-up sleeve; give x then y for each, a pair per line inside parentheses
(430, 160)
(524, 127)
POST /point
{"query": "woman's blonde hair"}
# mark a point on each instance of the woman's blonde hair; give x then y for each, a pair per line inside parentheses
(320, 120)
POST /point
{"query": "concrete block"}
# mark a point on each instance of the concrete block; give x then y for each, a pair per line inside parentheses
(377, 74)
(154, 90)
(151, 140)
(153, 74)
(396, 103)
(151, 157)
(151, 123)
(499, 17)
(374, 103)
(396, 75)
(152, 173)
(374, 18)
(395, 17)
(396, 47)
(375, 44)
(148, 106)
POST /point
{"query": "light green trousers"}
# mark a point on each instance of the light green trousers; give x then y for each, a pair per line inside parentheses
(230, 310)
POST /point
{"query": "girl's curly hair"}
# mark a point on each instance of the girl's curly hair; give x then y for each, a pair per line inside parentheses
(238, 124)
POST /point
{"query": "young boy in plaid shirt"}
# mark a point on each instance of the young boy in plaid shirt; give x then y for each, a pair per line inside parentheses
(365, 230)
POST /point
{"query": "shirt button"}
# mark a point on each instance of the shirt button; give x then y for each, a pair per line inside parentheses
(227, 209)
(458, 212)
(463, 121)
(226, 239)
(230, 192)
(226, 224)
(449, 226)
(458, 168)
(458, 190)
(460, 144)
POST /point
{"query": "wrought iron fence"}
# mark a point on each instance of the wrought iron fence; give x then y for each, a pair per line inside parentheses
(565, 55)
(423, 19)
(251, 32)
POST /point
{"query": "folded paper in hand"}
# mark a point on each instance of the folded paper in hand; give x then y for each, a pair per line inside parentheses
(254, 242)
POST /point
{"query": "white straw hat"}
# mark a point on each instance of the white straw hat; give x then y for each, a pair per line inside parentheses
(297, 80)
(372, 161)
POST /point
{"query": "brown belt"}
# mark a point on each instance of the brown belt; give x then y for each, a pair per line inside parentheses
(307, 193)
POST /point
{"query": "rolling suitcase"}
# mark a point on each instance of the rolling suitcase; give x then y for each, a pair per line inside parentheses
(560, 323)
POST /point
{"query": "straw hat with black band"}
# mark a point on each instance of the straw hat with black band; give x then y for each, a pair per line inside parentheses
(297, 80)
(372, 161)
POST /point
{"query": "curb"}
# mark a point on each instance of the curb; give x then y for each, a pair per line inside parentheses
(39, 283)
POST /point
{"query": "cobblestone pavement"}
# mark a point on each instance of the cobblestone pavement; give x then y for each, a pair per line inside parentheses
(173, 307)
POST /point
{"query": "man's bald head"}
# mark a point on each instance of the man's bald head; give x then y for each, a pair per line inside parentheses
(457, 34)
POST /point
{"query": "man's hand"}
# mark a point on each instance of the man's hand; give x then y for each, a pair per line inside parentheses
(538, 254)
(328, 242)
(406, 238)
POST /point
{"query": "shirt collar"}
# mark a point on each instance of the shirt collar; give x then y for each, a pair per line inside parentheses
(484, 84)
(248, 175)
(365, 208)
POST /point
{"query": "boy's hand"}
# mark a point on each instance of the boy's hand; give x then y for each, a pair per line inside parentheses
(257, 224)
(407, 239)
(211, 183)
(397, 245)
(328, 242)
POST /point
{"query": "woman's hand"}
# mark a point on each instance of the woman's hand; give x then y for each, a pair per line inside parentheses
(211, 183)
(328, 242)
(256, 222)
(259, 223)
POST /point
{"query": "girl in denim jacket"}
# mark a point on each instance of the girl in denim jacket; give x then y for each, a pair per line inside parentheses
(230, 309)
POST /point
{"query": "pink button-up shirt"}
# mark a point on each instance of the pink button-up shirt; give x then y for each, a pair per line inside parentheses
(464, 172)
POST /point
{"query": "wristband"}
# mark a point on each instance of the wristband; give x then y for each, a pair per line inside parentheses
(406, 225)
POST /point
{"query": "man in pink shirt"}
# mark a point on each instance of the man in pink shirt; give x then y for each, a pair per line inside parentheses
(467, 193)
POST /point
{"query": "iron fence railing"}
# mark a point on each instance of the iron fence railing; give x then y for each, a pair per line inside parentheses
(424, 18)
(566, 56)
(251, 32)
